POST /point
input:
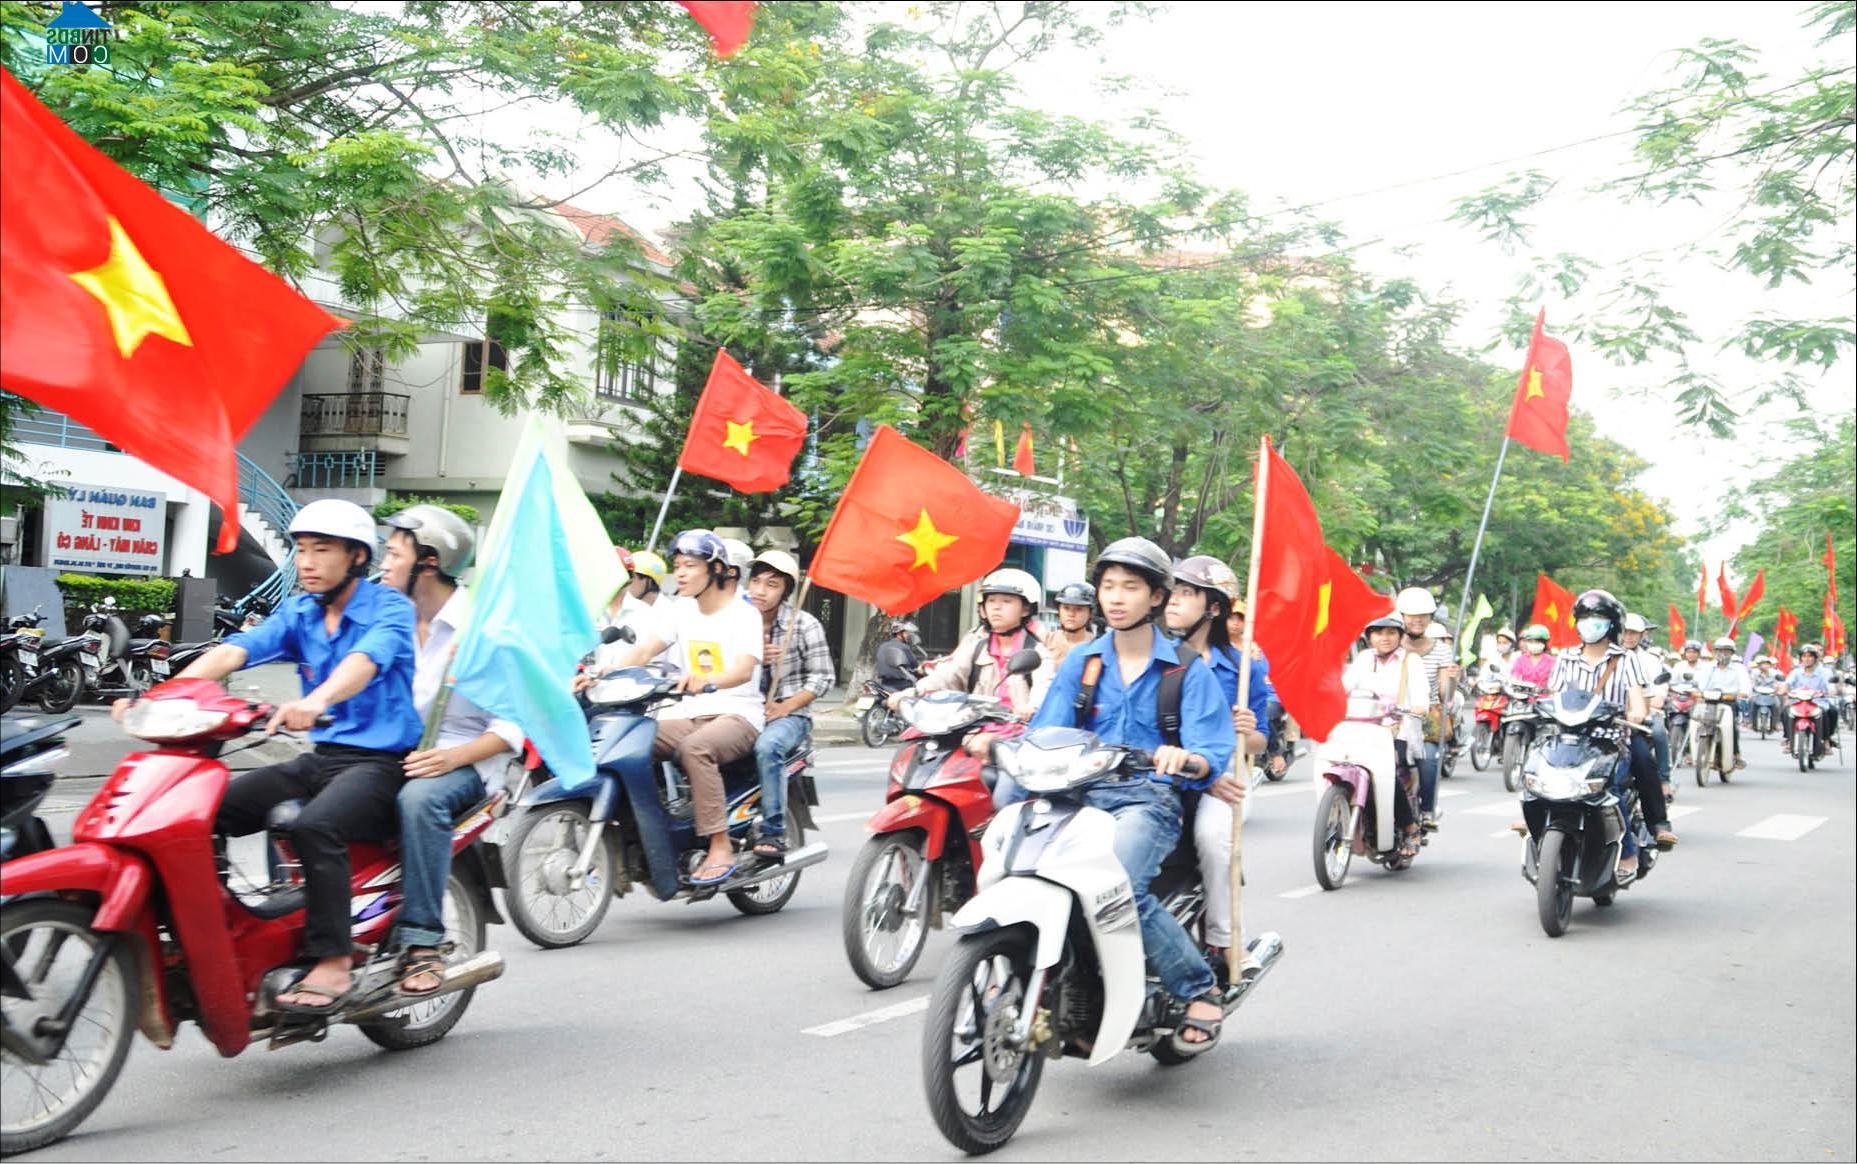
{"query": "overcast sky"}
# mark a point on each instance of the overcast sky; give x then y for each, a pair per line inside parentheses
(1311, 103)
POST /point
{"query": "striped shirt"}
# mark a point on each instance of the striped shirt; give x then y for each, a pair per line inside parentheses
(807, 667)
(1608, 680)
(1436, 659)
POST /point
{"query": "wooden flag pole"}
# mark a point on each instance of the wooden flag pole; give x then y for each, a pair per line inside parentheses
(1234, 954)
(657, 527)
(786, 642)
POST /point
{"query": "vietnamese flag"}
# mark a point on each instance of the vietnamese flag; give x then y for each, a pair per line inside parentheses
(1755, 590)
(742, 432)
(1831, 570)
(1554, 610)
(1702, 591)
(1731, 610)
(727, 22)
(1310, 606)
(121, 311)
(1538, 418)
(1678, 631)
(909, 527)
(1022, 455)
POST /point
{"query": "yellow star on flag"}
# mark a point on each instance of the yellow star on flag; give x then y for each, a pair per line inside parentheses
(133, 294)
(740, 436)
(927, 541)
(1321, 608)
(1534, 386)
(1552, 612)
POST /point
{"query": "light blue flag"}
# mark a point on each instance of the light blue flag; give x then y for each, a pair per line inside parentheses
(530, 624)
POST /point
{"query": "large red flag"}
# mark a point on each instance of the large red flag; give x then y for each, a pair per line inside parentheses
(1730, 608)
(1702, 593)
(1310, 605)
(1678, 630)
(742, 433)
(1554, 610)
(1022, 454)
(1833, 630)
(727, 22)
(1755, 590)
(1538, 417)
(122, 312)
(1831, 569)
(909, 528)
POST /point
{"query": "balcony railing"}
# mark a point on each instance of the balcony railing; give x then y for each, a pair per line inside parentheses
(42, 426)
(344, 470)
(355, 414)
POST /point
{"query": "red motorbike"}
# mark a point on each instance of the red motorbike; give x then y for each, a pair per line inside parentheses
(1808, 744)
(143, 922)
(1486, 737)
(921, 863)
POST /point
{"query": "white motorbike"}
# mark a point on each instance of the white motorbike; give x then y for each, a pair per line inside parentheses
(1359, 764)
(1711, 737)
(1050, 961)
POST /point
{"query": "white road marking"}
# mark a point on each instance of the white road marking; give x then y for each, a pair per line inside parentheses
(838, 817)
(1679, 811)
(1271, 791)
(1305, 891)
(868, 1018)
(1500, 808)
(1783, 826)
(1444, 792)
(1500, 833)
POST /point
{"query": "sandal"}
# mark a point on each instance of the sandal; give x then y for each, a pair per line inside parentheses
(727, 872)
(771, 846)
(336, 997)
(412, 966)
(1208, 1027)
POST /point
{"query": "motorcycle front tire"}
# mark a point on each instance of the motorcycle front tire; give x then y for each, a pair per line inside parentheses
(1553, 896)
(524, 912)
(1511, 759)
(1482, 748)
(985, 1130)
(13, 677)
(875, 725)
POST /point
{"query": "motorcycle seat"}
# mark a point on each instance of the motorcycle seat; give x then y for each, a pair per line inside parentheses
(137, 646)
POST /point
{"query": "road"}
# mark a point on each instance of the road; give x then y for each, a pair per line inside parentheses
(1420, 1015)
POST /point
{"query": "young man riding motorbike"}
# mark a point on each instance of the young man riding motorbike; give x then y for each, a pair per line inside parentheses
(352, 642)
(1008, 599)
(1132, 577)
(796, 670)
(426, 549)
(1728, 675)
(1076, 605)
(1808, 678)
(898, 660)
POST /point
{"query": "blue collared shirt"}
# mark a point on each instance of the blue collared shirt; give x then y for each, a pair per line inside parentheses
(1224, 666)
(376, 622)
(1130, 715)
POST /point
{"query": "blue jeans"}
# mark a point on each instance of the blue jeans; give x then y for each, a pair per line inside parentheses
(1147, 826)
(1621, 784)
(1428, 778)
(427, 808)
(1660, 746)
(771, 749)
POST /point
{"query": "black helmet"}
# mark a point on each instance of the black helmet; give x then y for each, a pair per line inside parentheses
(1139, 555)
(1075, 594)
(1601, 604)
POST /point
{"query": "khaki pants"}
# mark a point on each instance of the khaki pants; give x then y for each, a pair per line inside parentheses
(701, 747)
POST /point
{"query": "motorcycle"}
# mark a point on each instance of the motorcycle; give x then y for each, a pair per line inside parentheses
(1809, 746)
(1764, 715)
(1711, 730)
(30, 750)
(19, 656)
(122, 665)
(1050, 961)
(876, 722)
(52, 670)
(1679, 707)
(573, 849)
(1485, 736)
(143, 921)
(1578, 807)
(923, 858)
(228, 619)
(1518, 729)
(1355, 814)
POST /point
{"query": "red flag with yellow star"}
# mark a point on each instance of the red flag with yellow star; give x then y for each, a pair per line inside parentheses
(1310, 604)
(121, 311)
(909, 528)
(1538, 418)
(1554, 610)
(742, 433)
(728, 22)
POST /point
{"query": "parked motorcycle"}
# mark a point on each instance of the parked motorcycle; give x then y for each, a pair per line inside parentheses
(1355, 815)
(1486, 736)
(1809, 745)
(1578, 807)
(52, 670)
(572, 849)
(1518, 729)
(31, 748)
(1764, 713)
(1711, 730)
(1050, 961)
(122, 665)
(1679, 707)
(923, 858)
(142, 922)
(876, 722)
(19, 656)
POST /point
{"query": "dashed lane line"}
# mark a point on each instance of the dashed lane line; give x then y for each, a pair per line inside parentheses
(858, 1022)
(1305, 891)
(1783, 826)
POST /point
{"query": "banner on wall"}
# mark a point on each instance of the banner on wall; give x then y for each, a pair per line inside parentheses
(104, 530)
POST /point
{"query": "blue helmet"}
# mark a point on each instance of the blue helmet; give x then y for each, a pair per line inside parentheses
(700, 543)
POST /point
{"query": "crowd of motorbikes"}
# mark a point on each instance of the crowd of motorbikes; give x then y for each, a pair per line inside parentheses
(104, 661)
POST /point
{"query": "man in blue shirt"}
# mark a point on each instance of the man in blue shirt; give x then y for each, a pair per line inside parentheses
(1132, 578)
(352, 642)
(1809, 679)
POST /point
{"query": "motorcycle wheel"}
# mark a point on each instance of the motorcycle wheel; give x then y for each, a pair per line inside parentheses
(62, 688)
(429, 1020)
(1334, 847)
(876, 725)
(1705, 751)
(1482, 748)
(772, 895)
(1553, 897)
(543, 906)
(49, 945)
(1511, 760)
(979, 1089)
(141, 677)
(881, 942)
(12, 683)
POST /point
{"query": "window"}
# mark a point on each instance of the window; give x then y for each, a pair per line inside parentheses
(624, 360)
(367, 371)
(477, 354)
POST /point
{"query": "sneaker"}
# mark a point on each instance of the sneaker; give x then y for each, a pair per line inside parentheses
(1666, 840)
(1739, 763)
(1428, 821)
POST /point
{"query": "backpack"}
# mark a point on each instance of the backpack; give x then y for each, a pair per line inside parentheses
(1166, 697)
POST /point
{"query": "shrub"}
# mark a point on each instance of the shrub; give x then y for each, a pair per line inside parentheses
(393, 505)
(133, 595)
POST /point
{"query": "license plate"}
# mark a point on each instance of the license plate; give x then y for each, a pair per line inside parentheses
(866, 702)
(160, 666)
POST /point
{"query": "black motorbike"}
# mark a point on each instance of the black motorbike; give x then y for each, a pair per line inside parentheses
(50, 670)
(1764, 708)
(31, 747)
(1578, 806)
(876, 722)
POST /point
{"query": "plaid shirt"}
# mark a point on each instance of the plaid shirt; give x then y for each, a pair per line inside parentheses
(807, 666)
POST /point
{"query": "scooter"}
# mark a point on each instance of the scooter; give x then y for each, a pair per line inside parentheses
(19, 656)
(1711, 730)
(1679, 707)
(876, 722)
(143, 922)
(1518, 729)
(1764, 711)
(1355, 814)
(1809, 746)
(573, 849)
(923, 857)
(1485, 737)
(1577, 807)
(1050, 961)
(31, 748)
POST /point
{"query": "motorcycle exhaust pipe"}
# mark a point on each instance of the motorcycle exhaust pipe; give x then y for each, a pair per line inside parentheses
(473, 971)
(798, 859)
(1266, 948)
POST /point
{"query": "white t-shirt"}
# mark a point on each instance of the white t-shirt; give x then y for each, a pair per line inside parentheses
(703, 644)
(646, 623)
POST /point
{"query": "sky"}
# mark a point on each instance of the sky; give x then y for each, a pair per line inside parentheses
(1337, 103)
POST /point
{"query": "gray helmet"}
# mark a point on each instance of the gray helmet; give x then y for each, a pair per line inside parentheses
(439, 532)
(1385, 622)
(1139, 555)
(1208, 573)
(1075, 594)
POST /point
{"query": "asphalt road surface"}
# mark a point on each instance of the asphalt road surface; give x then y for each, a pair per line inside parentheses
(1419, 1015)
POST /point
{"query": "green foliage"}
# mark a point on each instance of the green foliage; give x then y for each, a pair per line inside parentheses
(1796, 505)
(398, 501)
(132, 595)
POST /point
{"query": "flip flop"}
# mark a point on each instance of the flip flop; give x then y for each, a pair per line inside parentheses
(424, 964)
(727, 872)
(336, 998)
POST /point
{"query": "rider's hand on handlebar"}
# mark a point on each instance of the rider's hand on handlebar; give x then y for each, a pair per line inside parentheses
(694, 684)
(1171, 761)
(1230, 789)
(979, 745)
(299, 715)
(581, 682)
(896, 698)
(120, 708)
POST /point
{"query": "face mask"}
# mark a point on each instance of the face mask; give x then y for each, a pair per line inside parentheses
(1592, 629)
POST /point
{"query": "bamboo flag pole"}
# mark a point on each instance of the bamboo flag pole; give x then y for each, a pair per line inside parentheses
(1234, 954)
(657, 527)
(786, 642)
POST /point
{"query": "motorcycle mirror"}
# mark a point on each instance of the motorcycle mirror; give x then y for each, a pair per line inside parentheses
(1662, 677)
(1024, 663)
(618, 634)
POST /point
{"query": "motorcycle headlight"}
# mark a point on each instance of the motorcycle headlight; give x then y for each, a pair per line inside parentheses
(940, 717)
(170, 720)
(1570, 782)
(1045, 770)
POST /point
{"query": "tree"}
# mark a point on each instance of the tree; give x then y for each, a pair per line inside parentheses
(1796, 505)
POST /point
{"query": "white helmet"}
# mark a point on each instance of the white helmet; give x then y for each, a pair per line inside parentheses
(1415, 600)
(332, 517)
(1016, 582)
(1636, 622)
(740, 556)
(1723, 644)
(780, 562)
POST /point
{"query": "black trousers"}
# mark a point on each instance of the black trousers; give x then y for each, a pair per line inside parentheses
(1650, 787)
(352, 794)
